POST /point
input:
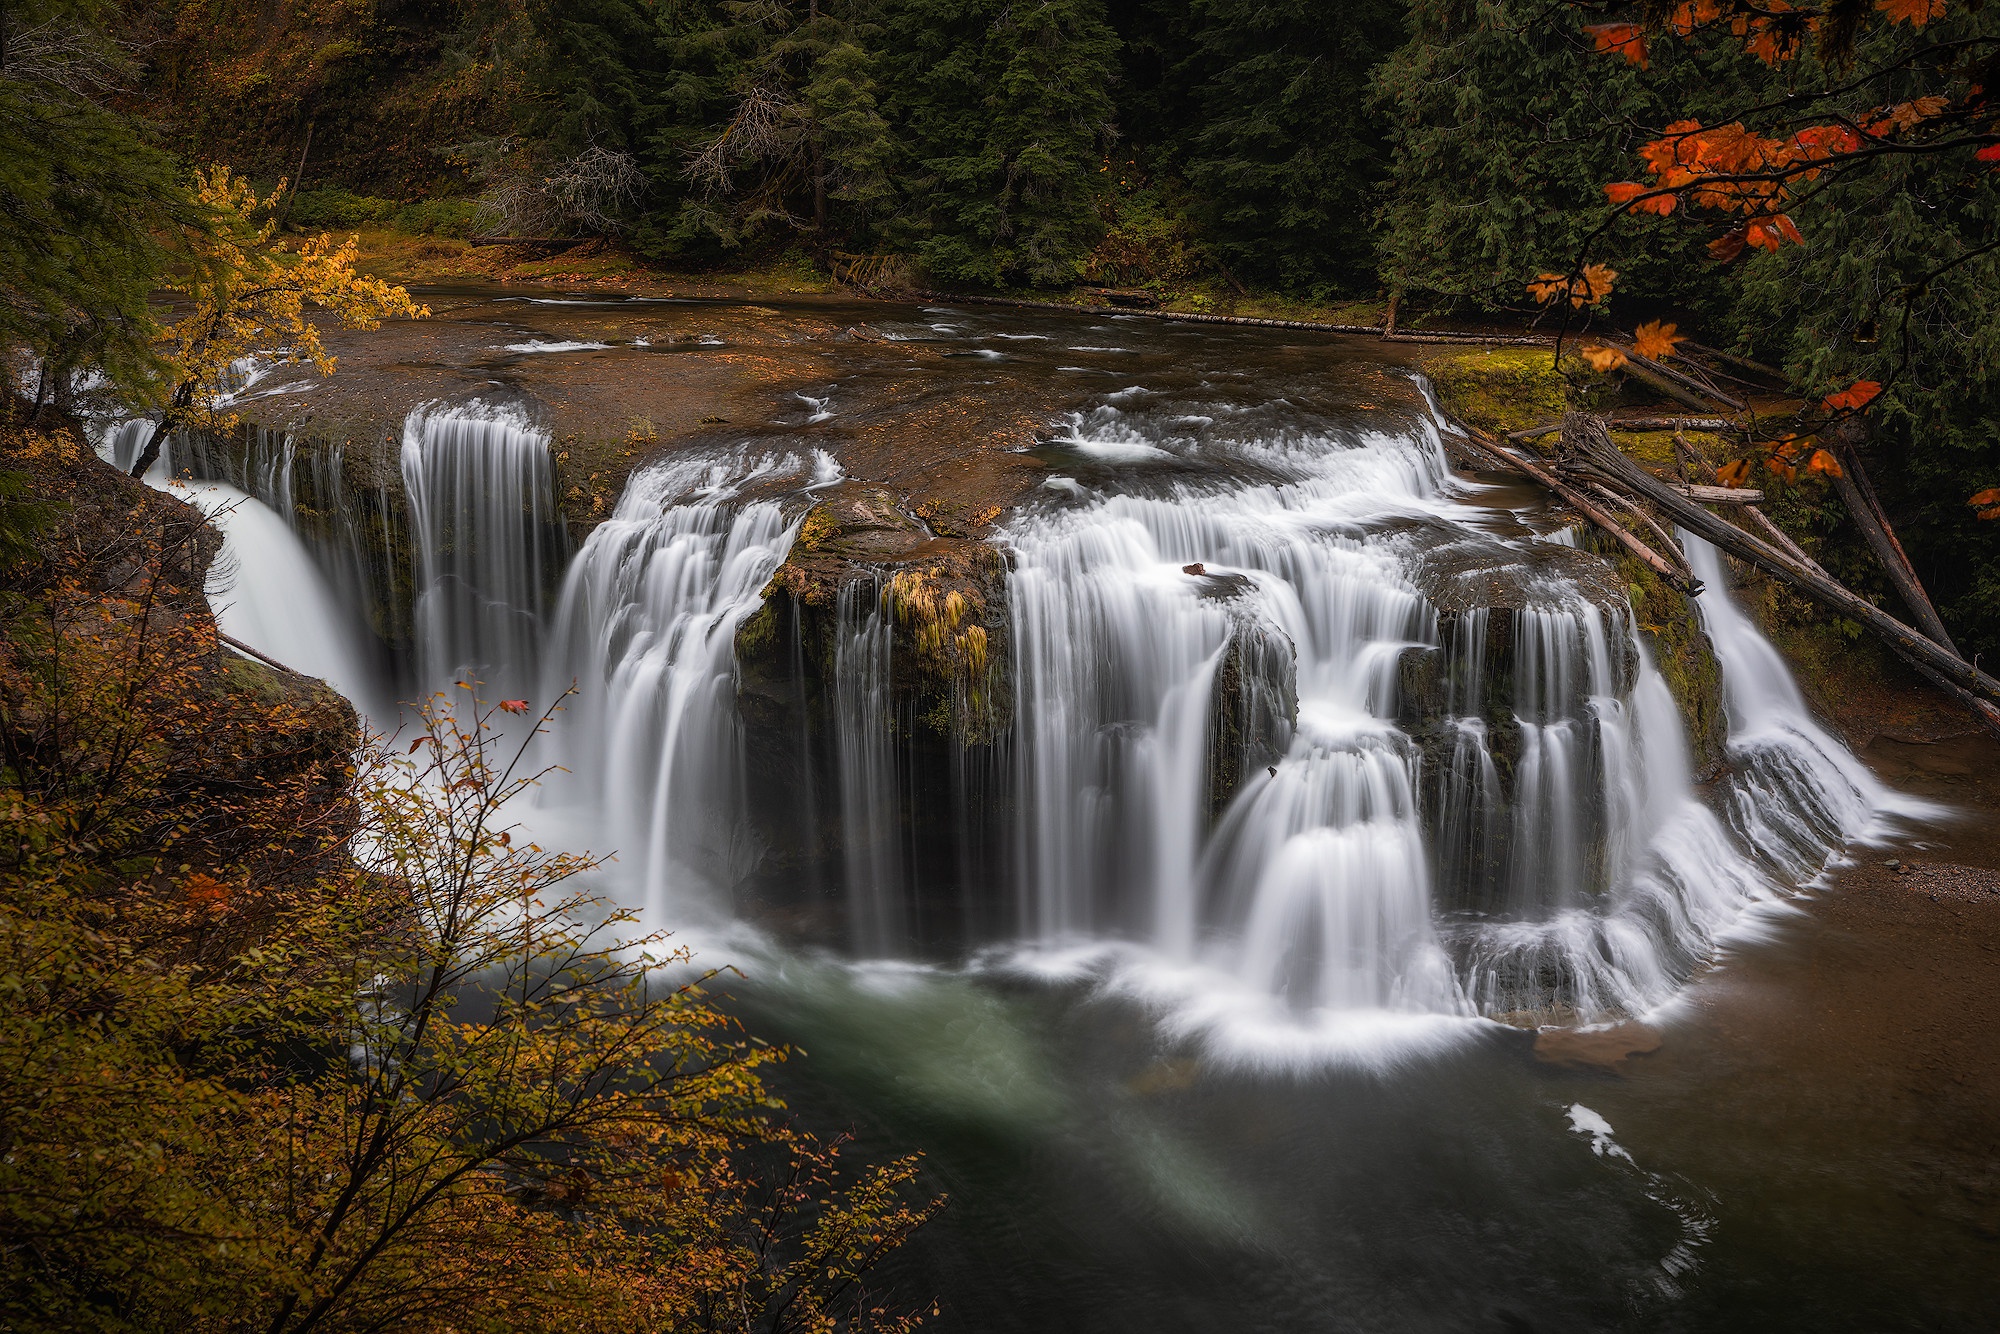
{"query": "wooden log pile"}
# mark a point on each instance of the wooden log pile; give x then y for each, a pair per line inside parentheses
(1593, 476)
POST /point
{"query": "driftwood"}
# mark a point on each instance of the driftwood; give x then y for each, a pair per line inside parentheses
(1699, 400)
(1781, 540)
(1252, 321)
(1588, 446)
(1582, 505)
(1638, 512)
(1684, 379)
(262, 657)
(1720, 495)
(1634, 424)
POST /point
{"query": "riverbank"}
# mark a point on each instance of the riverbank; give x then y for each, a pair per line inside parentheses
(1834, 1088)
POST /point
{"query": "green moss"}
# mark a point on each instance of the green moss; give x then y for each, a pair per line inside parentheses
(820, 526)
(1684, 657)
(246, 676)
(759, 634)
(1499, 388)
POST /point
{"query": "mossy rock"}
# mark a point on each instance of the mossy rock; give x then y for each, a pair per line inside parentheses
(1685, 658)
(1499, 389)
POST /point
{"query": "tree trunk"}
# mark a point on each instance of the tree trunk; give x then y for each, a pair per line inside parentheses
(1588, 443)
(1578, 502)
(1866, 510)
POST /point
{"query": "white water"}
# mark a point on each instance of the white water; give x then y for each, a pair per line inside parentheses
(267, 592)
(645, 627)
(483, 510)
(264, 586)
(1798, 794)
(1546, 857)
(1588, 878)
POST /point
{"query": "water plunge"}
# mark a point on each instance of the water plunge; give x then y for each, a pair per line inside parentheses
(1224, 785)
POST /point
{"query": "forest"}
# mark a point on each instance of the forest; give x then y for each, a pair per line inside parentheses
(301, 1035)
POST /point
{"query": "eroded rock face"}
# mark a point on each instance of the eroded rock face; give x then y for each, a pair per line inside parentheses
(874, 620)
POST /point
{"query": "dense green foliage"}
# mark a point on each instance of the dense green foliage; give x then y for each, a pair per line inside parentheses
(89, 208)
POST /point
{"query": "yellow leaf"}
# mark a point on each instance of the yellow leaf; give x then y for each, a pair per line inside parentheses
(1601, 358)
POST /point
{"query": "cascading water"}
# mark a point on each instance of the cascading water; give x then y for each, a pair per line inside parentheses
(1575, 876)
(1314, 886)
(645, 628)
(864, 746)
(1798, 793)
(489, 542)
(267, 592)
(1225, 792)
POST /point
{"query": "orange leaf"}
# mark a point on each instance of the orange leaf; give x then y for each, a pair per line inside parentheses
(1734, 473)
(1983, 499)
(1627, 39)
(1990, 153)
(1823, 462)
(1548, 287)
(1695, 14)
(1654, 340)
(1601, 358)
(1623, 192)
(1916, 13)
(513, 706)
(1853, 398)
(1597, 280)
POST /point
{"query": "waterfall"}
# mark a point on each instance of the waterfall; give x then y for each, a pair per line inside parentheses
(645, 627)
(864, 745)
(1260, 772)
(265, 586)
(489, 542)
(1798, 794)
(1313, 886)
(267, 591)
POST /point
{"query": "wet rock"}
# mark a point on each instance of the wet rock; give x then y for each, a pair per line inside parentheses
(1599, 1047)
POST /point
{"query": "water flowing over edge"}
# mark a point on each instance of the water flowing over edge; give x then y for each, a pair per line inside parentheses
(1307, 927)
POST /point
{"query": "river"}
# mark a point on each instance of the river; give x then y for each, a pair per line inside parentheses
(1298, 906)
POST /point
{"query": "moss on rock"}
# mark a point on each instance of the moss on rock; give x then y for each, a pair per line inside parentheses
(1498, 389)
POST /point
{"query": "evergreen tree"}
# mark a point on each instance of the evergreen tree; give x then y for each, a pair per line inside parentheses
(804, 138)
(1007, 109)
(1504, 127)
(90, 210)
(1281, 143)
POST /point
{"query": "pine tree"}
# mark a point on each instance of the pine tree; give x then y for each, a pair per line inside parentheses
(1008, 110)
(91, 212)
(1280, 141)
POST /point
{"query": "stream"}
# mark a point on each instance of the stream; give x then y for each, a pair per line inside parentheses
(1304, 909)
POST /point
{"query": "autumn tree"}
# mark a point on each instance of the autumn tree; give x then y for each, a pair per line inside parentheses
(432, 1085)
(250, 292)
(1853, 199)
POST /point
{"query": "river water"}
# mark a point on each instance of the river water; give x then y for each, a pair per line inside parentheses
(1331, 775)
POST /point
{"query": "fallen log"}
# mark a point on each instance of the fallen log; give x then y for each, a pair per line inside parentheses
(1720, 495)
(1638, 512)
(1873, 521)
(1577, 501)
(1635, 424)
(1251, 321)
(1683, 378)
(1588, 446)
